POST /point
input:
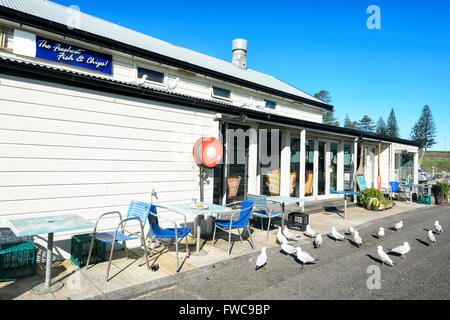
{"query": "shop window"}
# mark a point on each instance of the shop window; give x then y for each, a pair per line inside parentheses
(152, 75)
(6, 38)
(221, 93)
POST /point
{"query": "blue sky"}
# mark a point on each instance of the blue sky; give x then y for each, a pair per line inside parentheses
(315, 45)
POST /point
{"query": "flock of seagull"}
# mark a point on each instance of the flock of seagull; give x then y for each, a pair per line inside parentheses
(284, 235)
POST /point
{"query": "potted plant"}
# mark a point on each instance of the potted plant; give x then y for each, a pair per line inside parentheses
(370, 198)
(440, 191)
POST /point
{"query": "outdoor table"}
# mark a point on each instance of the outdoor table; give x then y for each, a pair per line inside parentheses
(185, 208)
(346, 193)
(283, 200)
(50, 225)
(411, 186)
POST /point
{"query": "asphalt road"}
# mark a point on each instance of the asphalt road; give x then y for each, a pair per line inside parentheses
(342, 271)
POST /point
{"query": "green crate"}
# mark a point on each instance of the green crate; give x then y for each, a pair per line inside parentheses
(79, 250)
(423, 199)
(17, 260)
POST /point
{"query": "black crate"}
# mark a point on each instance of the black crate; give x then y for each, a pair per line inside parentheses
(8, 237)
(17, 260)
(79, 250)
(299, 220)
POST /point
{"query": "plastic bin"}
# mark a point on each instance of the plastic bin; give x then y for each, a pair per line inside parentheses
(17, 260)
(299, 220)
(79, 250)
(424, 199)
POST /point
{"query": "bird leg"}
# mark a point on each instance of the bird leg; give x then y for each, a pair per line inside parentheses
(382, 263)
(403, 257)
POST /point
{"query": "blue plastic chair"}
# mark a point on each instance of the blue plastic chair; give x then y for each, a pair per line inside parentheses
(167, 236)
(236, 219)
(263, 210)
(137, 211)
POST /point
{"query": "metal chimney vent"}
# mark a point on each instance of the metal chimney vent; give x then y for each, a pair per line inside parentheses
(240, 53)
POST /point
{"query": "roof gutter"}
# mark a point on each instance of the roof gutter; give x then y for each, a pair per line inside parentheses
(41, 23)
(48, 74)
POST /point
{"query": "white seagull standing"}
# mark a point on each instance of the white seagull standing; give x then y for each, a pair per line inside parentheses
(384, 257)
(403, 250)
(280, 237)
(438, 227)
(289, 235)
(304, 257)
(351, 230)
(318, 240)
(336, 235)
(398, 226)
(286, 247)
(310, 232)
(262, 259)
(431, 237)
(380, 234)
(357, 238)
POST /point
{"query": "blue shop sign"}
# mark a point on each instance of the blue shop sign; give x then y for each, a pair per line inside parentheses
(65, 53)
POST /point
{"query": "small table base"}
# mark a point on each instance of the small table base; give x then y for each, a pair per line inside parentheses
(43, 289)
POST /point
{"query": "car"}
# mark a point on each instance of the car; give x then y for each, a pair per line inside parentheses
(425, 176)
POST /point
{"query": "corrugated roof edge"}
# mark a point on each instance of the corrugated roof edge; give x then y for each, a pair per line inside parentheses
(41, 23)
(34, 70)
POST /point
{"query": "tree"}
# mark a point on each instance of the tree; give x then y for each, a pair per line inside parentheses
(381, 127)
(392, 129)
(328, 115)
(349, 124)
(366, 124)
(424, 131)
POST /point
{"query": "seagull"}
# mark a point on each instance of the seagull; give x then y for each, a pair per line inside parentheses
(438, 227)
(262, 259)
(384, 257)
(310, 232)
(286, 247)
(289, 235)
(398, 226)
(174, 84)
(280, 237)
(140, 82)
(318, 240)
(380, 234)
(431, 237)
(351, 230)
(305, 257)
(336, 235)
(403, 250)
(358, 239)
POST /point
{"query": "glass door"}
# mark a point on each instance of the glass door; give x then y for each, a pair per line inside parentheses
(309, 168)
(322, 150)
(348, 167)
(295, 166)
(333, 166)
(237, 163)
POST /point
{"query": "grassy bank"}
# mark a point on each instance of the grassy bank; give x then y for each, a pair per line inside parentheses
(440, 160)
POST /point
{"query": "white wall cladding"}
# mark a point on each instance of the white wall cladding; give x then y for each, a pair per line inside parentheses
(65, 150)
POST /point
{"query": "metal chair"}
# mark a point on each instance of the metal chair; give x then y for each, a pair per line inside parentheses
(263, 210)
(236, 219)
(167, 236)
(137, 211)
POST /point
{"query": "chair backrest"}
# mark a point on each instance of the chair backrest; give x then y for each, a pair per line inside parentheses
(233, 186)
(308, 182)
(260, 202)
(155, 229)
(273, 183)
(140, 210)
(394, 186)
(244, 215)
(361, 182)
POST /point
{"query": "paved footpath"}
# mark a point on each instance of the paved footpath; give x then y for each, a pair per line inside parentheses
(342, 271)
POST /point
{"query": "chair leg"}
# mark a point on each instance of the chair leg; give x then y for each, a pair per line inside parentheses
(126, 249)
(110, 259)
(251, 239)
(240, 236)
(229, 241)
(262, 224)
(176, 249)
(90, 252)
(187, 246)
(268, 227)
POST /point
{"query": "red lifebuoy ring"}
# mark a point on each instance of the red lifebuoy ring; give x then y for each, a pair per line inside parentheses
(208, 152)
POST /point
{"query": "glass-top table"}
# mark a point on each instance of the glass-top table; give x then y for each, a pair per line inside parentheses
(185, 208)
(48, 225)
(283, 200)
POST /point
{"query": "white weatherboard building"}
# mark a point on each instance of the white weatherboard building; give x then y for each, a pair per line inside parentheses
(94, 115)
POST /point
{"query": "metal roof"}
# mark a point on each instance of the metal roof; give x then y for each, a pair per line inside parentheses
(57, 13)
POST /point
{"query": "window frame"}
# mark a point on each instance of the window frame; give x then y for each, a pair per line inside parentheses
(222, 88)
(3, 38)
(155, 69)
